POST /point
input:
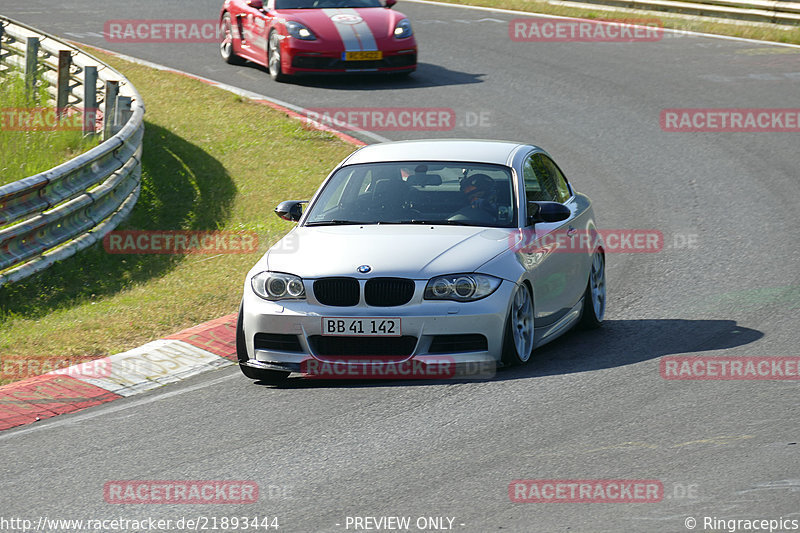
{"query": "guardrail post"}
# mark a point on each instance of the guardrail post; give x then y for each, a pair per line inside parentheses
(31, 62)
(110, 108)
(62, 86)
(89, 100)
(2, 29)
(124, 112)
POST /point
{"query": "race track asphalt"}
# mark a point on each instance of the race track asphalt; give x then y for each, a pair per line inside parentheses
(590, 405)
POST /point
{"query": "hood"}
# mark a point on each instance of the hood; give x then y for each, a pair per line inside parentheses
(357, 28)
(417, 252)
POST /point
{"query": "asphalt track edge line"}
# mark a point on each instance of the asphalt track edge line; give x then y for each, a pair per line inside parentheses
(549, 16)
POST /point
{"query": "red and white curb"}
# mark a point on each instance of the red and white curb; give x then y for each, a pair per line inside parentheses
(201, 348)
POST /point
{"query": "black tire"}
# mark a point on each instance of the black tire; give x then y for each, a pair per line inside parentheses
(594, 310)
(274, 57)
(226, 44)
(272, 377)
(521, 318)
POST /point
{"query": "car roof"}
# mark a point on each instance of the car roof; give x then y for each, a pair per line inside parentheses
(472, 150)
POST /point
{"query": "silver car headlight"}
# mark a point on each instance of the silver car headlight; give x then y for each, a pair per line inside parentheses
(403, 29)
(300, 31)
(278, 286)
(461, 287)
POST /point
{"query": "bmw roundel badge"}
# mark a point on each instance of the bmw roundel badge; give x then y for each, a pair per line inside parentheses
(364, 269)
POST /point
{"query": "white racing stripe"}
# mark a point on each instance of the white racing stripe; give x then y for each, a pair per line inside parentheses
(353, 30)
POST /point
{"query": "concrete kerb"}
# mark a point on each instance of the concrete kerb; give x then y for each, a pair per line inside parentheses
(199, 349)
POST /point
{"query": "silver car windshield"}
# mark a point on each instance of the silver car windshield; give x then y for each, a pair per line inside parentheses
(417, 192)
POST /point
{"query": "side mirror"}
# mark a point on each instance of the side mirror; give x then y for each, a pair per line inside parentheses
(255, 4)
(290, 210)
(547, 212)
(390, 3)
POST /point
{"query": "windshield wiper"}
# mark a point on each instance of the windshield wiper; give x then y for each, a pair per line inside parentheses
(437, 222)
(340, 222)
(336, 222)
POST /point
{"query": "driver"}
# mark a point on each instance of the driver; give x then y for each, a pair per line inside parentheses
(481, 195)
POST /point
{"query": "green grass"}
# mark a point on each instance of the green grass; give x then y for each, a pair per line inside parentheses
(212, 161)
(25, 153)
(765, 32)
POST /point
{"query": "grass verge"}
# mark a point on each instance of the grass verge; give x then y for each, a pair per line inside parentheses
(763, 32)
(29, 142)
(212, 161)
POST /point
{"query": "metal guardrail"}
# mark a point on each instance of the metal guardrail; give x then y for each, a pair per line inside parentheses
(54, 214)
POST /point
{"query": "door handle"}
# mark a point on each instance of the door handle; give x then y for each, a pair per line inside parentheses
(571, 231)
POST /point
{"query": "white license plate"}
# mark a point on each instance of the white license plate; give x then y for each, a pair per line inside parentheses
(361, 327)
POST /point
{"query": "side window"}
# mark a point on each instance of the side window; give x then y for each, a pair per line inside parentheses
(558, 179)
(538, 186)
(544, 181)
(532, 172)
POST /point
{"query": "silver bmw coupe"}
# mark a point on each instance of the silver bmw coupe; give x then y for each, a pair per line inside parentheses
(418, 252)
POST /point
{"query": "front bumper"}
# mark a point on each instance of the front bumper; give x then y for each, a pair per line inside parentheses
(305, 57)
(288, 336)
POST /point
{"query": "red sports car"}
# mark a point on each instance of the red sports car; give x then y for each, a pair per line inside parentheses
(318, 36)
